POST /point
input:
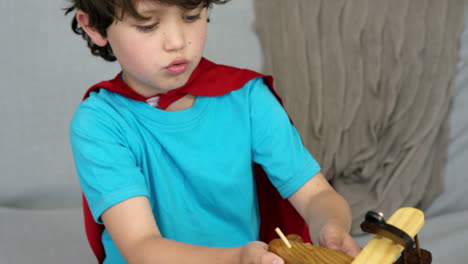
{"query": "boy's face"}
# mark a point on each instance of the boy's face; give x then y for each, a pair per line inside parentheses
(159, 54)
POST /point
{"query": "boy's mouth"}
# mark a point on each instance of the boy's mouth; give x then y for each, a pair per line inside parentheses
(178, 66)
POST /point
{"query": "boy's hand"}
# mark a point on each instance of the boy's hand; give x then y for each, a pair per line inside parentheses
(256, 252)
(335, 237)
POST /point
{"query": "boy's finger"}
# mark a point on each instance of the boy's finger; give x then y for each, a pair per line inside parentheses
(351, 248)
(270, 258)
(332, 241)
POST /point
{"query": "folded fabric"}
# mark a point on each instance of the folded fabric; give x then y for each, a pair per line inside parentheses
(369, 85)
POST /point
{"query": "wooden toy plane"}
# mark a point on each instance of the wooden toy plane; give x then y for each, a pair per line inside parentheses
(394, 238)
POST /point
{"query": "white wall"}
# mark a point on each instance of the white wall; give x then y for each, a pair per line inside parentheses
(44, 71)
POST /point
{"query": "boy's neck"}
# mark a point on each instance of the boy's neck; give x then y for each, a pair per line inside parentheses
(183, 103)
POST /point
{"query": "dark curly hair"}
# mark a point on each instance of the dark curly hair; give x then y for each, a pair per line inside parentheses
(102, 14)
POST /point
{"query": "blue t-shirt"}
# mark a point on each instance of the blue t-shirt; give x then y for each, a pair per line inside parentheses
(194, 165)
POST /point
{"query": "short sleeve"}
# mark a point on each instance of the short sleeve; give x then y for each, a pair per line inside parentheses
(106, 167)
(276, 144)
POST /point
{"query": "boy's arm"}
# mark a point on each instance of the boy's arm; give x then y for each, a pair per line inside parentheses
(326, 213)
(133, 229)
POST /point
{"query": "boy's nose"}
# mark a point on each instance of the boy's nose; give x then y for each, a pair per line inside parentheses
(174, 38)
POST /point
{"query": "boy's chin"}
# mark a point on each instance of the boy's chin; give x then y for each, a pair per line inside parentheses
(174, 85)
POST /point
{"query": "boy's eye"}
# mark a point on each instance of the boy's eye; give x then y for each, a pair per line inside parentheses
(146, 28)
(192, 18)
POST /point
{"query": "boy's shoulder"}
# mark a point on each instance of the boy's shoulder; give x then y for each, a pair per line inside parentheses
(99, 103)
(99, 99)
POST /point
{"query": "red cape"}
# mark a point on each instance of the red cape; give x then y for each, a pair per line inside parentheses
(210, 79)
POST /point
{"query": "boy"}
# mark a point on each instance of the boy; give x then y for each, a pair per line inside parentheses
(164, 151)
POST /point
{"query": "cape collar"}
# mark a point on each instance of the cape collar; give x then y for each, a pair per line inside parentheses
(208, 79)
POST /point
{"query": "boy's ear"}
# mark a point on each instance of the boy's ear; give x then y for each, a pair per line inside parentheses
(83, 19)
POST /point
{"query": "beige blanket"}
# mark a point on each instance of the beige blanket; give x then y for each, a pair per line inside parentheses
(368, 83)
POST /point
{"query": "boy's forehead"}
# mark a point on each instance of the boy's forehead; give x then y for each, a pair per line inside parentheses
(144, 9)
(145, 5)
(149, 7)
(161, 4)
(141, 9)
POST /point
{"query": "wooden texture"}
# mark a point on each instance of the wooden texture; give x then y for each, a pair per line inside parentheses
(382, 250)
(304, 253)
